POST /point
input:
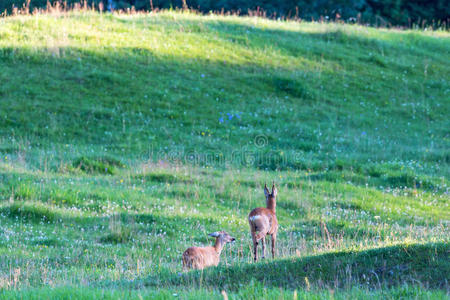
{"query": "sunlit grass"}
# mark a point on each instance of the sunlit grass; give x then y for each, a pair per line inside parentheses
(123, 141)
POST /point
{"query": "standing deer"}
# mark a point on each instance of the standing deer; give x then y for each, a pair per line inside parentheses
(201, 257)
(263, 221)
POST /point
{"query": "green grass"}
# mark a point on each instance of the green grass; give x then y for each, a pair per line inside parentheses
(254, 291)
(382, 267)
(125, 139)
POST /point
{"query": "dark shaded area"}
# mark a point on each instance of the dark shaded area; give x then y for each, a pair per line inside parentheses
(117, 237)
(292, 87)
(376, 12)
(29, 213)
(162, 177)
(98, 165)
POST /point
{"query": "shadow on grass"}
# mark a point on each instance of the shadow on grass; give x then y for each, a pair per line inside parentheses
(424, 264)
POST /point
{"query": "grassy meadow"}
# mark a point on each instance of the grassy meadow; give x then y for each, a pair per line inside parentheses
(125, 139)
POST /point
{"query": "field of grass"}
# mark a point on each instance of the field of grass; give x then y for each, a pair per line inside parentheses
(125, 139)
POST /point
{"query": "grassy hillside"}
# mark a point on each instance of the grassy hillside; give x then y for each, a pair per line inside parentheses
(328, 96)
(124, 139)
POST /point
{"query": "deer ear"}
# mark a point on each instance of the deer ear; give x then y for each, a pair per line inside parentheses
(266, 191)
(274, 191)
(214, 234)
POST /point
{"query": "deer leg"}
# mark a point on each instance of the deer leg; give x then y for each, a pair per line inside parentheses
(255, 247)
(261, 235)
(263, 247)
(274, 238)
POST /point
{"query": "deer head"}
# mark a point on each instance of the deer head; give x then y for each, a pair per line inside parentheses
(222, 236)
(270, 197)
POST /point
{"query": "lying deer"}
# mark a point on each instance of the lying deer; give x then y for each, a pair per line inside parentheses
(263, 221)
(201, 257)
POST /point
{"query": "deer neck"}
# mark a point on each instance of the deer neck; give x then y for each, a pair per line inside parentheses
(218, 246)
(271, 204)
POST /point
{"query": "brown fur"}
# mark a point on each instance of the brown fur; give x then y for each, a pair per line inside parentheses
(201, 257)
(263, 222)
